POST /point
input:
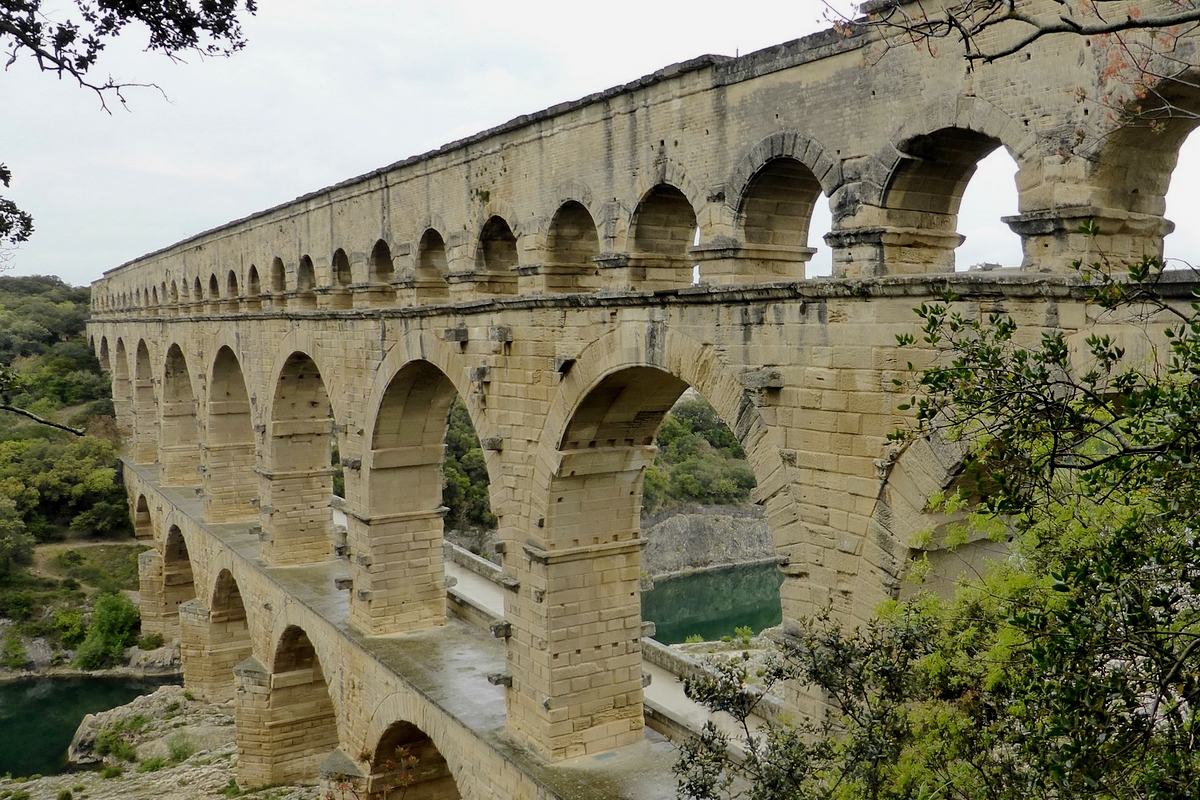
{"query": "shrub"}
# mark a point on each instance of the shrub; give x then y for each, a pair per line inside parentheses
(112, 771)
(65, 794)
(110, 742)
(114, 627)
(150, 641)
(179, 748)
(152, 764)
(68, 622)
(12, 655)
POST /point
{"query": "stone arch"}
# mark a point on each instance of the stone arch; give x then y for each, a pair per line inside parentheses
(197, 291)
(496, 257)
(179, 441)
(214, 289)
(306, 283)
(793, 145)
(297, 481)
(174, 294)
(289, 727)
(662, 230)
(174, 587)
(253, 289)
(432, 269)
(103, 355)
(341, 278)
(572, 241)
(215, 639)
(145, 407)
(143, 523)
(404, 755)
(382, 269)
(230, 484)
(154, 296)
(231, 285)
(774, 211)
(402, 588)
(278, 276)
(122, 386)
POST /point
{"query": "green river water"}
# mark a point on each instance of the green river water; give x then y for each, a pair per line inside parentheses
(38, 717)
(712, 604)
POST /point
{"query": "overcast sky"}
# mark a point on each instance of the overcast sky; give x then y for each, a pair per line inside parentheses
(332, 89)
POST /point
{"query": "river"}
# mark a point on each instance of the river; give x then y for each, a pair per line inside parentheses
(38, 716)
(711, 604)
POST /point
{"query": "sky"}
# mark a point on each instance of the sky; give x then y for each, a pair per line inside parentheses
(328, 90)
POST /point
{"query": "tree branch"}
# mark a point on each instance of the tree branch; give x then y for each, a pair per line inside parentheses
(41, 420)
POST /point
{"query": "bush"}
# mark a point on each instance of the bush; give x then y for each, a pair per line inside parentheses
(114, 627)
(150, 641)
(110, 742)
(152, 764)
(68, 623)
(65, 794)
(179, 748)
(12, 656)
(111, 771)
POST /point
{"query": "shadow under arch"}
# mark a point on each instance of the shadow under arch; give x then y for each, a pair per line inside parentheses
(179, 440)
(296, 479)
(145, 408)
(229, 482)
(571, 243)
(661, 230)
(215, 640)
(143, 523)
(164, 583)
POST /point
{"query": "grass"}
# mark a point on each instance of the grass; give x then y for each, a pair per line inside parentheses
(109, 567)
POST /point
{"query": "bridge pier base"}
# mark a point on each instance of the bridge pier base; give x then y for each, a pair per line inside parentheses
(155, 616)
(398, 575)
(297, 522)
(211, 644)
(580, 692)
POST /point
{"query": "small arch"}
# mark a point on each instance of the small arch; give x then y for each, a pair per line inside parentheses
(178, 584)
(406, 757)
(278, 276)
(231, 285)
(306, 283)
(105, 363)
(253, 289)
(572, 243)
(214, 288)
(496, 256)
(776, 209)
(154, 297)
(664, 222)
(301, 725)
(382, 268)
(174, 294)
(341, 269)
(432, 269)
(143, 525)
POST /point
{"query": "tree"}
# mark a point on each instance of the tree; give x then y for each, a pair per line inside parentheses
(70, 47)
(1071, 670)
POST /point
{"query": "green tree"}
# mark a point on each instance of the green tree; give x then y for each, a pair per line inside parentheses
(1072, 669)
(465, 489)
(113, 628)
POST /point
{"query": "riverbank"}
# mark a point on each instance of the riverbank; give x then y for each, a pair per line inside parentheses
(163, 662)
(172, 747)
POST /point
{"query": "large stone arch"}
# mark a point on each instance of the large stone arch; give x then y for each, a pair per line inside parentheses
(165, 582)
(145, 407)
(179, 440)
(122, 386)
(296, 479)
(445, 766)
(228, 456)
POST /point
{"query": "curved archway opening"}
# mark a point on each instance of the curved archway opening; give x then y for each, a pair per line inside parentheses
(213, 644)
(1181, 247)
(296, 486)
(339, 290)
(298, 728)
(991, 194)
(197, 291)
(179, 442)
(925, 195)
(177, 586)
(572, 243)
(253, 289)
(145, 408)
(662, 229)
(407, 764)
(278, 276)
(231, 286)
(143, 525)
(775, 216)
(174, 294)
(432, 268)
(214, 293)
(590, 546)
(230, 484)
(122, 387)
(306, 284)
(105, 360)
(382, 272)
(496, 258)
(426, 469)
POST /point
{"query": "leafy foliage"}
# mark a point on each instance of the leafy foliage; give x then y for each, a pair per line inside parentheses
(699, 461)
(465, 476)
(1072, 669)
(114, 627)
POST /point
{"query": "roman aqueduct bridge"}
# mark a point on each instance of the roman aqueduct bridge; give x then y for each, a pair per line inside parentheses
(544, 271)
